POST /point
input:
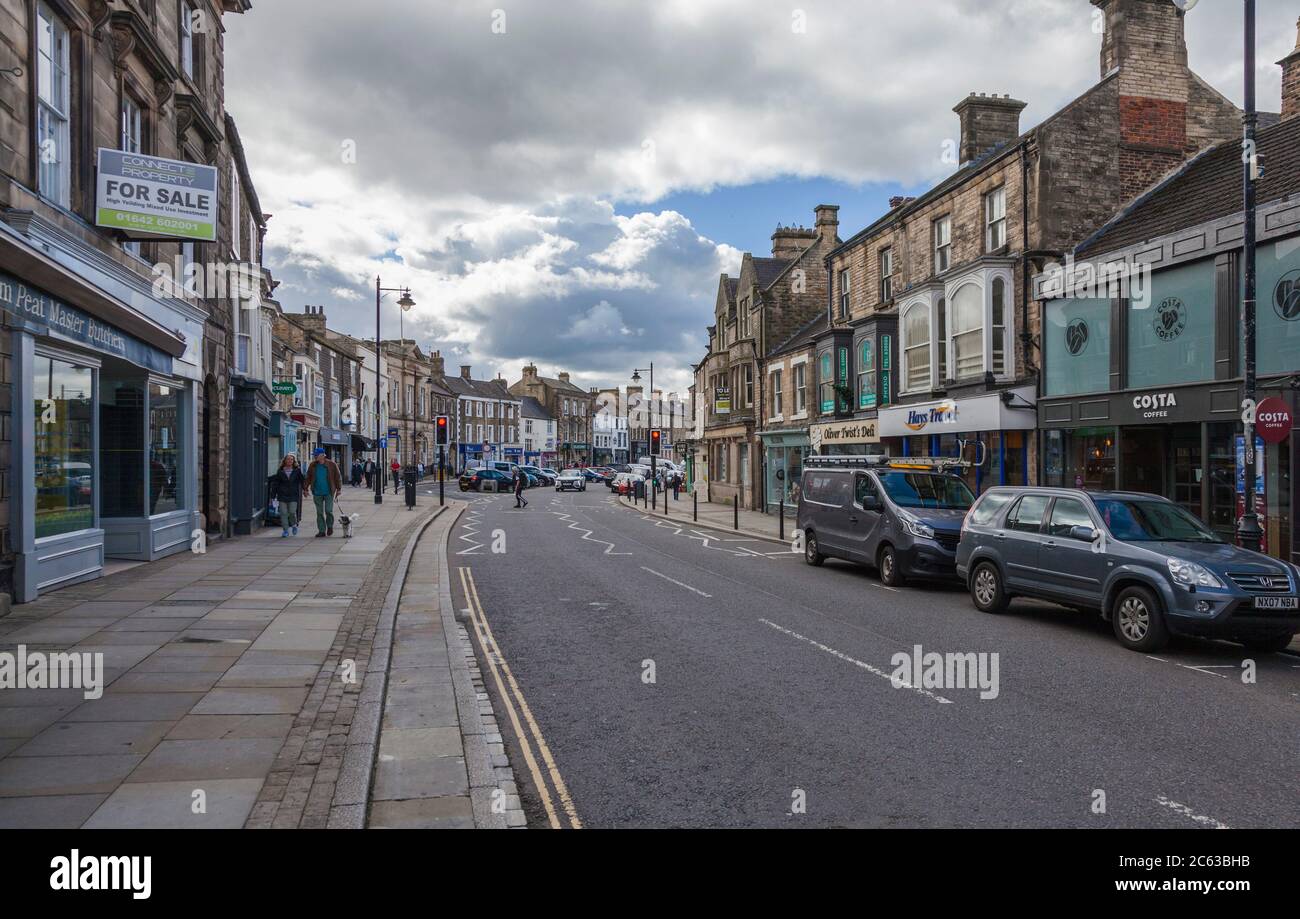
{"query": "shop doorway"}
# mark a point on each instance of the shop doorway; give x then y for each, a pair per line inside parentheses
(1143, 466)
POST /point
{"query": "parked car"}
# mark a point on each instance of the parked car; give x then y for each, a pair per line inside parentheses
(473, 480)
(903, 516)
(539, 474)
(571, 480)
(625, 483)
(592, 475)
(1142, 561)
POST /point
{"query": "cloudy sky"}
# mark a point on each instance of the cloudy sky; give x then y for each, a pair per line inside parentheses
(563, 180)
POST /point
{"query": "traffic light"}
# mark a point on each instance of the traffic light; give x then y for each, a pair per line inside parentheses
(656, 441)
(441, 431)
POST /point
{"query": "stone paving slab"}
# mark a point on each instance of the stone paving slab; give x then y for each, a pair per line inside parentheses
(205, 687)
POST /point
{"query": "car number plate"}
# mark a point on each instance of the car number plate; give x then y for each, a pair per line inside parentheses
(1277, 603)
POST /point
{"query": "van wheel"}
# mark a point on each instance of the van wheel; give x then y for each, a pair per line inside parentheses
(891, 573)
(986, 589)
(810, 553)
(1273, 645)
(1139, 624)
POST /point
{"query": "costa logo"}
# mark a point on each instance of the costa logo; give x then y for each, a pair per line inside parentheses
(1155, 400)
(1170, 319)
(1286, 297)
(1076, 337)
(1273, 421)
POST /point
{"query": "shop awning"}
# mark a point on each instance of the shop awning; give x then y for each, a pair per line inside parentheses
(362, 444)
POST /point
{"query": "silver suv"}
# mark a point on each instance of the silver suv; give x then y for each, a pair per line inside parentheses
(1145, 563)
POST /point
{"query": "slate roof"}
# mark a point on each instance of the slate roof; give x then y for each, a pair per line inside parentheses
(767, 270)
(479, 389)
(531, 408)
(1207, 187)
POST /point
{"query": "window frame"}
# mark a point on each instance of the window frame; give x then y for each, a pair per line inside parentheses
(885, 258)
(995, 219)
(925, 347)
(942, 243)
(846, 290)
(54, 185)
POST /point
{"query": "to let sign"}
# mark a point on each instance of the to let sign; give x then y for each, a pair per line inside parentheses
(1273, 421)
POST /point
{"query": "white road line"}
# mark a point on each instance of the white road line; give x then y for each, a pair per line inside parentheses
(678, 583)
(874, 671)
(1190, 814)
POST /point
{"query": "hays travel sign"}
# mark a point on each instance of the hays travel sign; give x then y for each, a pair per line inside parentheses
(944, 414)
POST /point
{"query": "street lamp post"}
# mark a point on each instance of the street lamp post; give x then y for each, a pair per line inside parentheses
(1249, 534)
(405, 302)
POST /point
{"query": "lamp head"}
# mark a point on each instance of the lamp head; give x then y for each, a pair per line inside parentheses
(406, 302)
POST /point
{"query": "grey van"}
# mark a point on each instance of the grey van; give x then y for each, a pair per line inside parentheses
(1142, 561)
(897, 515)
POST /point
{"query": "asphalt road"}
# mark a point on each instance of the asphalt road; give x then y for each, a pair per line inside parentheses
(661, 676)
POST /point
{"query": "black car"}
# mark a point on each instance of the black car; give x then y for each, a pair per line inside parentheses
(473, 480)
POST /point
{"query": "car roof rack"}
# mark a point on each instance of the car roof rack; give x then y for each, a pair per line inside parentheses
(912, 463)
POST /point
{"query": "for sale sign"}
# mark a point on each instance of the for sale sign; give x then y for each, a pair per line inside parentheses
(149, 196)
(1273, 420)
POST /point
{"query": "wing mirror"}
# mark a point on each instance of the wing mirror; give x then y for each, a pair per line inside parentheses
(1085, 534)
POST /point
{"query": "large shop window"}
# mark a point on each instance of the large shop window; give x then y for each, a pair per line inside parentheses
(1171, 331)
(164, 449)
(1076, 339)
(64, 448)
(121, 438)
(1279, 307)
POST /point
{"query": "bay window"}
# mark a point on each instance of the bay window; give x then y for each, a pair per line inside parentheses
(968, 332)
(916, 347)
(826, 382)
(53, 108)
(867, 374)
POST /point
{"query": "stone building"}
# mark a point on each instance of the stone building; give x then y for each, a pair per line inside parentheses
(99, 464)
(929, 304)
(770, 300)
(787, 412)
(488, 420)
(572, 407)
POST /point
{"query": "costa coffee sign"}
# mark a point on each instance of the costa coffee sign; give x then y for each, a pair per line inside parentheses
(1273, 421)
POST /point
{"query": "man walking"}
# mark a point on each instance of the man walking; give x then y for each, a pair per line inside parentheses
(520, 479)
(325, 482)
(397, 476)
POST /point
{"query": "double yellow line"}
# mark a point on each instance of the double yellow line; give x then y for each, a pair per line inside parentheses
(517, 708)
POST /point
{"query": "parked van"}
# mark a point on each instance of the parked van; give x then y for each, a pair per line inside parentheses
(902, 515)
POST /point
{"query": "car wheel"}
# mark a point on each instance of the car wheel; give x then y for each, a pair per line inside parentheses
(1139, 624)
(986, 589)
(891, 573)
(1273, 645)
(810, 553)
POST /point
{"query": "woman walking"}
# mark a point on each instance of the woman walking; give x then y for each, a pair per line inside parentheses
(290, 485)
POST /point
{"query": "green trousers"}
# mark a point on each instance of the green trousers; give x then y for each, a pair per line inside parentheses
(324, 512)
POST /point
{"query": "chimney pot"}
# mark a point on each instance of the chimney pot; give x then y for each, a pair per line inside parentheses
(987, 122)
(464, 371)
(1291, 80)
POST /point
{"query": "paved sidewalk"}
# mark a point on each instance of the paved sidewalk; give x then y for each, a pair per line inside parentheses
(223, 683)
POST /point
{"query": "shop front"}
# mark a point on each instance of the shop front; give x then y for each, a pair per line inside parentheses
(992, 431)
(338, 446)
(104, 421)
(783, 456)
(1183, 442)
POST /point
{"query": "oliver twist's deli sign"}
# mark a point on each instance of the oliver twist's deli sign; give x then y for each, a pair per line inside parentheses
(151, 196)
(63, 321)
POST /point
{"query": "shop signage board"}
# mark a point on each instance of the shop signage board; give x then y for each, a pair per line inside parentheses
(841, 433)
(285, 388)
(948, 416)
(60, 320)
(149, 196)
(1273, 420)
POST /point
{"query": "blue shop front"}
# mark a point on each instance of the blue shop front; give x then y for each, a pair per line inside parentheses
(105, 399)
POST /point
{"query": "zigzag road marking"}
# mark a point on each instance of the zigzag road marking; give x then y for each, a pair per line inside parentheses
(586, 534)
(470, 526)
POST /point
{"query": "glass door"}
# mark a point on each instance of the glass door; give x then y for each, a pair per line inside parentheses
(1146, 460)
(1221, 468)
(1188, 467)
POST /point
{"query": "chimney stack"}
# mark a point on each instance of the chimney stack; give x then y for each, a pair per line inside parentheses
(988, 122)
(828, 223)
(1291, 80)
(464, 371)
(564, 378)
(790, 242)
(898, 201)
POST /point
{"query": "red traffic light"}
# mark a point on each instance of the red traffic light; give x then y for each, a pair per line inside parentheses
(656, 440)
(441, 431)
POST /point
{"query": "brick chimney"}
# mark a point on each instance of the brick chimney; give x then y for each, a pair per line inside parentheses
(1145, 41)
(790, 242)
(987, 122)
(436, 362)
(1291, 80)
(530, 374)
(464, 371)
(564, 378)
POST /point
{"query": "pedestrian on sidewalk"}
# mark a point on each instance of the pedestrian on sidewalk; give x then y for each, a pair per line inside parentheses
(325, 482)
(370, 474)
(397, 475)
(520, 500)
(677, 488)
(290, 485)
